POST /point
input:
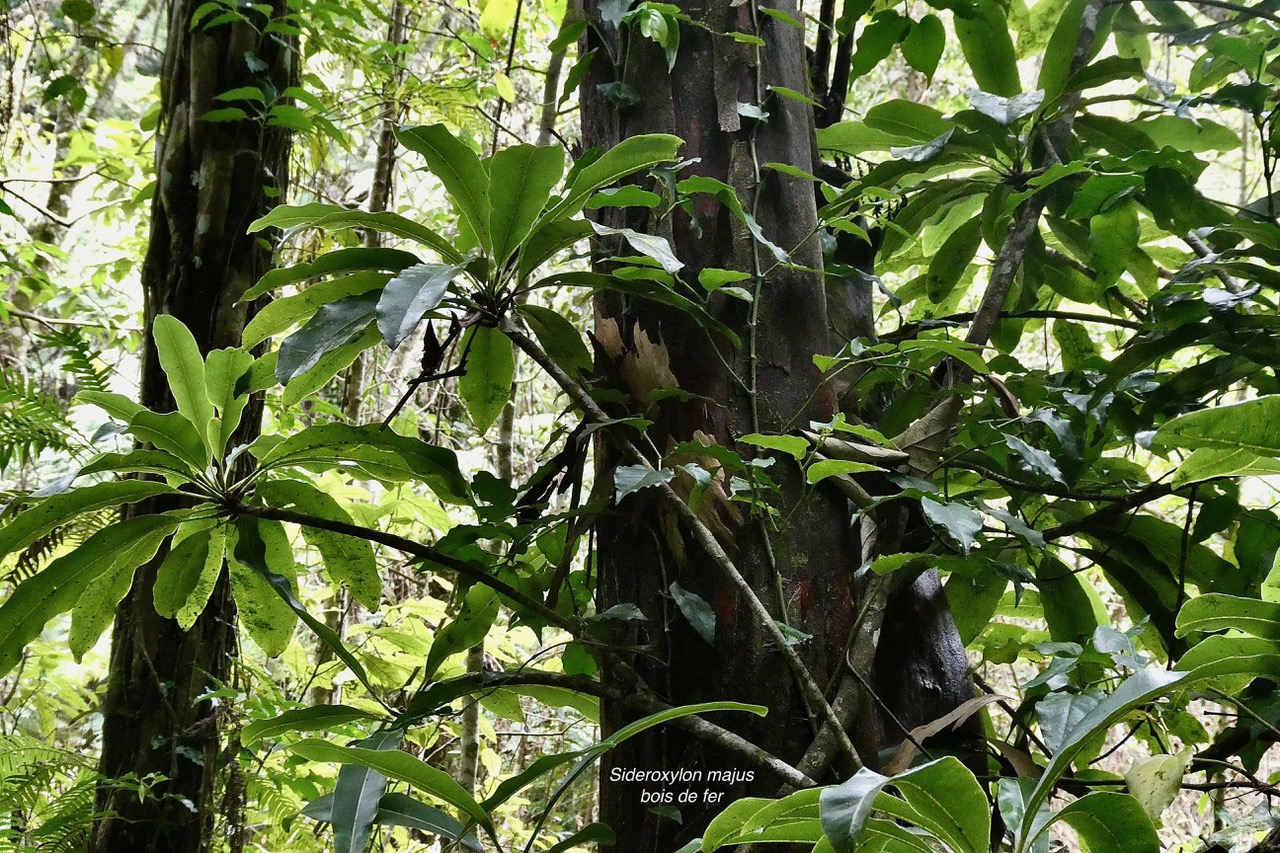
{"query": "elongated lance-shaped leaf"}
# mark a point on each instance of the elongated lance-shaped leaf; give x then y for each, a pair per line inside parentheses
(30, 525)
(57, 589)
(262, 551)
(96, 608)
(466, 629)
(491, 368)
(400, 457)
(521, 180)
(226, 374)
(183, 365)
(356, 796)
(629, 156)
(353, 261)
(459, 169)
(400, 766)
(314, 718)
(283, 312)
(173, 432)
(1253, 425)
(334, 217)
(397, 809)
(182, 569)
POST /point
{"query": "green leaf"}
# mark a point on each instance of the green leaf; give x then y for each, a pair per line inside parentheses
(330, 365)
(696, 612)
(1110, 822)
(1060, 52)
(877, 40)
(498, 18)
(29, 525)
(262, 548)
(96, 608)
(1218, 612)
(521, 179)
(356, 796)
(648, 245)
(633, 478)
(792, 445)
(1221, 655)
(333, 326)
(1006, 111)
(1113, 236)
(466, 629)
(381, 451)
(314, 718)
(819, 471)
(942, 797)
(923, 46)
(1253, 425)
(335, 218)
(226, 373)
(401, 766)
(191, 557)
(181, 361)
(281, 313)
(491, 368)
(952, 260)
(961, 523)
(459, 169)
(409, 296)
(988, 48)
(627, 157)
(80, 11)
(173, 432)
(397, 809)
(356, 260)
(595, 832)
(559, 338)
(139, 462)
(1137, 690)
(1156, 780)
(59, 586)
(349, 559)
(1209, 463)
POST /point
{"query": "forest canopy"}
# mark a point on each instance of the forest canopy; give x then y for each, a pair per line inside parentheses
(573, 425)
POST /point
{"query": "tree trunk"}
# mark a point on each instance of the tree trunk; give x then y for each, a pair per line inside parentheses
(214, 178)
(801, 559)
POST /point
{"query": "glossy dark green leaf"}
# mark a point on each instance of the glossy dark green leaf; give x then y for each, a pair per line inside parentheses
(1113, 235)
(183, 365)
(491, 368)
(696, 611)
(283, 312)
(960, 522)
(408, 296)
(1110, 822)
(314, 718)
(1253, 425)
(334, 325)
(559, 338)
(952, 259)
(335, 217)
(877, 40)
(342, 261)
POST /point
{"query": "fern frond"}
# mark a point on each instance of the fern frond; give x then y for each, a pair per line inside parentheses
(79, 358)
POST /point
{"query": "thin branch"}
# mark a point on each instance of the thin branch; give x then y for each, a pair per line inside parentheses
(1250, 11)
(910, 330)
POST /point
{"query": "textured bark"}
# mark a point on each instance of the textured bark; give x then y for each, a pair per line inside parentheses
(641, 548)
(770, 386)
(213, 179)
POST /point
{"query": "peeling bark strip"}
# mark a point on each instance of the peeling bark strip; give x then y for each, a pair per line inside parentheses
(641, 546)
(213, 179)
